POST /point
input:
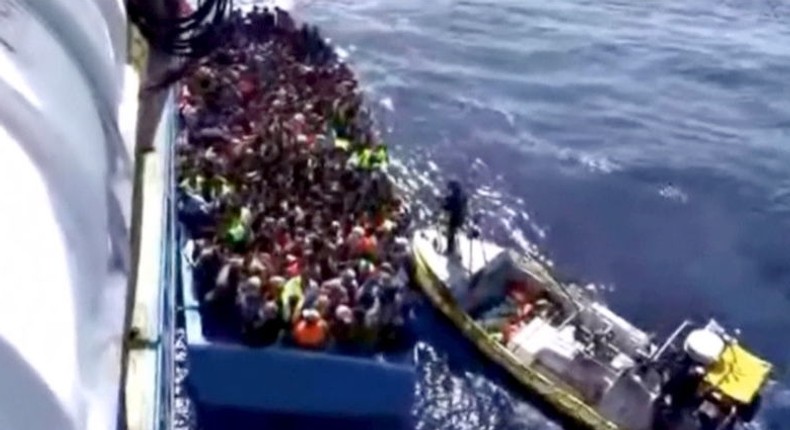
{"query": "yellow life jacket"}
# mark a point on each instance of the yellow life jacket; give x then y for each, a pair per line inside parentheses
(355, 159)
(364, 158)
(292, 287)
(343, 144)
(197, 180)
(237, 231)
(225, 187)
(379, 158)
(245, 216)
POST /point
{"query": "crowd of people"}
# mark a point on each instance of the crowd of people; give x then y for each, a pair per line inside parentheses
(298, 232)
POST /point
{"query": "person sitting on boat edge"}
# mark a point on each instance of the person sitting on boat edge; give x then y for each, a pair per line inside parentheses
(271, 326)
(454, 203)
(207, 266)
(249, 300)
(311, 330)
(392, 310)
(343, 327)
(267, 329)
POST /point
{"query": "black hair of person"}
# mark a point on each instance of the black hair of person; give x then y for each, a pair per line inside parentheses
(195, 35)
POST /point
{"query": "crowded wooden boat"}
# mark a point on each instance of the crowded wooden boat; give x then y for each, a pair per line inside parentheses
(295, 232)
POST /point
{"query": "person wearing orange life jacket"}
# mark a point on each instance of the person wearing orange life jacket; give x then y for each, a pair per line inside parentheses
(354, 239)
(293, 268)
(507, 332)
(367, 246)
(311, 331)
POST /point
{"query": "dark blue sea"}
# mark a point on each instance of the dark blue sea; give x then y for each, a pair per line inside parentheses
(643, 146)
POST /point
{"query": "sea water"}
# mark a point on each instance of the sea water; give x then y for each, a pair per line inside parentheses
(643, 146)
(639, 146)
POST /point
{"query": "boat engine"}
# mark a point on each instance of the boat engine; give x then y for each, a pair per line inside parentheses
(691, 396)
(704, 347)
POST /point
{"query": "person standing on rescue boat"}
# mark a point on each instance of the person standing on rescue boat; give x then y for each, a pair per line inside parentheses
(455, 205)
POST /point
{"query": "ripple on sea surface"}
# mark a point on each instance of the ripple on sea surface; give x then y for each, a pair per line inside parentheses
(641, 145)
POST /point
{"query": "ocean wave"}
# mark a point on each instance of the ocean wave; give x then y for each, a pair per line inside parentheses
(674, 193)
(247, 5)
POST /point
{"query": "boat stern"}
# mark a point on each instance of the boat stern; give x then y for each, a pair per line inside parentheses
(738, 374)
(725, 378)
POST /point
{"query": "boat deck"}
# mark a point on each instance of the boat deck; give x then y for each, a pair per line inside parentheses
(472, 255)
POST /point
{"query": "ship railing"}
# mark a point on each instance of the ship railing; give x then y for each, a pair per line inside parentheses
(164, 395)
(148, 391)
(167, 393)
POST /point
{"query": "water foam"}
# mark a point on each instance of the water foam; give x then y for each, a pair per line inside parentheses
(247, 5)
(674, 193)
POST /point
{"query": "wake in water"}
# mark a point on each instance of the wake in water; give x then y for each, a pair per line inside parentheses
(247, 5)
(450, 399)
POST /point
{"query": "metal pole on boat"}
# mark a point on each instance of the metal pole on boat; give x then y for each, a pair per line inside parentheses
(470, 235)
(483, 251)
(670, 340)
(473, 234)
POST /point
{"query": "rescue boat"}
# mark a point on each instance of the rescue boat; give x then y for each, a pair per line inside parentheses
(564, 344)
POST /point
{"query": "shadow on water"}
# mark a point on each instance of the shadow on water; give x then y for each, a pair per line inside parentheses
(237, 418)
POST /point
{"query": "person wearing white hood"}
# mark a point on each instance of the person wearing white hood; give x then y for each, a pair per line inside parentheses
(250, 300)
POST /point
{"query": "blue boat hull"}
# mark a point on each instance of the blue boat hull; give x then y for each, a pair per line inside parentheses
(246, 386)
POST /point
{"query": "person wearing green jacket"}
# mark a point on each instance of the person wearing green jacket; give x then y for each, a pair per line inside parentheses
(193, 183)
(379, 157)
(237, 231)
(368, 158)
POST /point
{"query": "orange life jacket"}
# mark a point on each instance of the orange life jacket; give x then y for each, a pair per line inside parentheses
(293, 269)
(508, 331)
(368, 246)
(310, 335)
